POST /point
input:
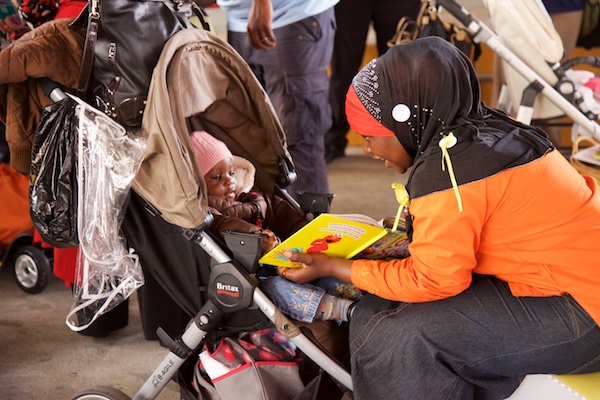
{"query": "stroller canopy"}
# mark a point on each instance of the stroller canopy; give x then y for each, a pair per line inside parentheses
(202, 83)
(526, 29)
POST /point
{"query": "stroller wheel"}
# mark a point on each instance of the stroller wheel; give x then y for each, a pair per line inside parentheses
(100, 393)
(31, 269)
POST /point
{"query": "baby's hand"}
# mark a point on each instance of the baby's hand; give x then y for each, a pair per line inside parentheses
(270, 241)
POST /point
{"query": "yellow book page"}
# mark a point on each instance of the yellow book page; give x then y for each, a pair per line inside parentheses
(329, 234)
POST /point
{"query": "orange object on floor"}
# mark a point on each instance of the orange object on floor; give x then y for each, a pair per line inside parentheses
(14, 207)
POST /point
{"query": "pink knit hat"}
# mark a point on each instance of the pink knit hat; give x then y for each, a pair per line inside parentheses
(209, 150)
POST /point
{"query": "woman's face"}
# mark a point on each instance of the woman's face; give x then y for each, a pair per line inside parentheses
(388, 149)
(220, 180)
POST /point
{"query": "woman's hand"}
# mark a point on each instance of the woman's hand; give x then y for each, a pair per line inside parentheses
(315, 265)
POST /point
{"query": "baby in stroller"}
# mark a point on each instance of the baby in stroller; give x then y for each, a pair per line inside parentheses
(246, 208)
(201, 84)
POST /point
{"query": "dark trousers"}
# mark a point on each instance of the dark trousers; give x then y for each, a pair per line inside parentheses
(353, 18)
(294, 75)
(479, 344)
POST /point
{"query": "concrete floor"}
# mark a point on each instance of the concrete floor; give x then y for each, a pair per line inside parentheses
(41, 358)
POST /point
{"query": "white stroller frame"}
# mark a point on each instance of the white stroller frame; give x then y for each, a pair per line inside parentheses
(482, 33)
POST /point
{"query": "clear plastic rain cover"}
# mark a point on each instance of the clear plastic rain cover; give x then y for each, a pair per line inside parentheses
(106, 273)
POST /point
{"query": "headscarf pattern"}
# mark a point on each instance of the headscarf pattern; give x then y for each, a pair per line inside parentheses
(426, 89)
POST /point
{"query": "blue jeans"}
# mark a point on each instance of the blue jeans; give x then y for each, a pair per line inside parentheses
(301, 302)
(477, 345)
(294, 75)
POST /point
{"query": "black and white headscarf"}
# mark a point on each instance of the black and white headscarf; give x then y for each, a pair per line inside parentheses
(426, 89)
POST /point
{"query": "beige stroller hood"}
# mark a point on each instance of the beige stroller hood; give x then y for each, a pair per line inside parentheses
(526, 29)
(202, 83)
(527, 19)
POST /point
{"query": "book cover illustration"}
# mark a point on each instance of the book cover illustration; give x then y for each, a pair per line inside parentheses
(392, 245)
(329, 234)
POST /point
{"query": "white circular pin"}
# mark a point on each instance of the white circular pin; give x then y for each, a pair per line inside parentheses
(448, 141)
(401, 113)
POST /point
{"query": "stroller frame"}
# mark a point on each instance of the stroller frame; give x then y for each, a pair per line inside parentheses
(229, 273)
(482, 33)
(232, 287)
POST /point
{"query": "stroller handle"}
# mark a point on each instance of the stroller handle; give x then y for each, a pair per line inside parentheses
(52, 89)
(456, 10)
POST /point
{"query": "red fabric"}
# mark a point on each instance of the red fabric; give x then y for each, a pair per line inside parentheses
(70, 9)
(65, 260)
(37, 238)
(361, 121)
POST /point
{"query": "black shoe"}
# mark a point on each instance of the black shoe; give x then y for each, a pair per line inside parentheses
(350, 311)
(333, 154)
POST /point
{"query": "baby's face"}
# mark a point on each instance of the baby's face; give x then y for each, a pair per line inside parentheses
(220, 180)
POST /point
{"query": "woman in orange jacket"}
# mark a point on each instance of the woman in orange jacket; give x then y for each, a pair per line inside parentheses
(503, 274)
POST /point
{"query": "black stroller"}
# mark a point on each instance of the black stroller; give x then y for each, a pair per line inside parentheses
(201, 83)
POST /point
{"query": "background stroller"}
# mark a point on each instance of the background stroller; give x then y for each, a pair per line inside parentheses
(31, 265)
(542, 89)
(201, 83)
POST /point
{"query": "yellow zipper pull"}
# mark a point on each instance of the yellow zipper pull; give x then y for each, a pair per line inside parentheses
(402, 198)
(445, 143)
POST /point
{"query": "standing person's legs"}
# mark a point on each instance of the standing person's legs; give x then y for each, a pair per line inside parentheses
(353, 18)
(476, 345)
(295, 77)
(387, 14)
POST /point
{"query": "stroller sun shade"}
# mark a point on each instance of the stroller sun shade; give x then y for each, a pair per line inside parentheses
(527, 30)
(202, 83)
(199, 83)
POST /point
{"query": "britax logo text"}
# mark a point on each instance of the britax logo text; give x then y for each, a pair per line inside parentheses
(228, 290)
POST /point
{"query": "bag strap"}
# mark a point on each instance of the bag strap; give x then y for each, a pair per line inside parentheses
(404, 32)
(87, 60)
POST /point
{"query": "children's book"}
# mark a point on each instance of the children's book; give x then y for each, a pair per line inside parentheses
(392, 245)
(329, 234)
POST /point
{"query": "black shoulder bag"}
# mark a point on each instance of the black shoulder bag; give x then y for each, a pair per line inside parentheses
(123, 44)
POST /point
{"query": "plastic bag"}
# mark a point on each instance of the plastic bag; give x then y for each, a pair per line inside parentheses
(109, 158)
(53, 177)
